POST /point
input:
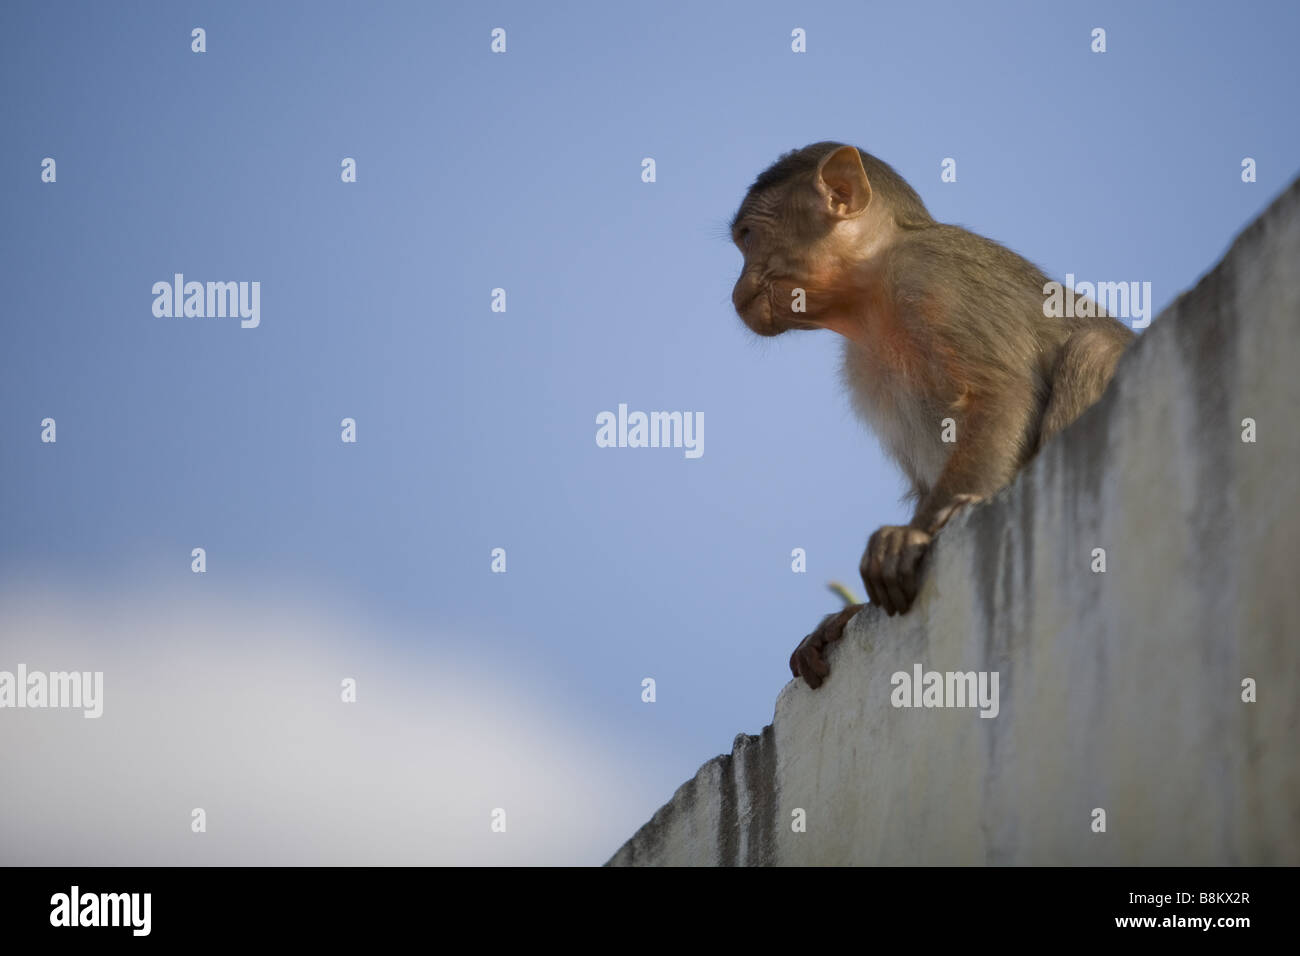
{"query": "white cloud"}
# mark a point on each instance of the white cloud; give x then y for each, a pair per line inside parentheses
(236, 709)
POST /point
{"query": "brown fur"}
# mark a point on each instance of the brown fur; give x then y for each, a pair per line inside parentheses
(940, 323)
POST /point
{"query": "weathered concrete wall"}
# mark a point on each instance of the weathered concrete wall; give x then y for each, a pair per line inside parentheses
(1119, 690)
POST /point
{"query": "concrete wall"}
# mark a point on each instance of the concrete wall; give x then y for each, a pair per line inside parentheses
(1119, 690)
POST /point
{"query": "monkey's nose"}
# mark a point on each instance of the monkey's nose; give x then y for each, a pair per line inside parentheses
(742, 298)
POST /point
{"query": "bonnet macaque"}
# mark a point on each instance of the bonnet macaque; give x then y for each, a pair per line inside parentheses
(945, 337)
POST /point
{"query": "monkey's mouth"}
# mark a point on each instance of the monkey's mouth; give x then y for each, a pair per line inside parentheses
(758, 314)
(763, 319)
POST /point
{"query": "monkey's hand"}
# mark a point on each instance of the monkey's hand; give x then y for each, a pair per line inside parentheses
(889, 566)
(892, 560)
(809, 659)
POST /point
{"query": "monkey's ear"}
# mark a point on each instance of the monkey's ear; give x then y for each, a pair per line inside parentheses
(843, 182)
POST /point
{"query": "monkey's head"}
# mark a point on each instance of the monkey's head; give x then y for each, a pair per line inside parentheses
(805, 225)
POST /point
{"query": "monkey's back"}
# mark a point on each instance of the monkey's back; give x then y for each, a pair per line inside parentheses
(971, 328)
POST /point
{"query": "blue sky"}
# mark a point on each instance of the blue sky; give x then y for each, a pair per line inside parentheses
(476, 430)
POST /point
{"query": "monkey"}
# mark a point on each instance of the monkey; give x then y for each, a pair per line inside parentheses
(944, 330)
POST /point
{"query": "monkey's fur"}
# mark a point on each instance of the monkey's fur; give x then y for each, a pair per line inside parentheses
(939, 324)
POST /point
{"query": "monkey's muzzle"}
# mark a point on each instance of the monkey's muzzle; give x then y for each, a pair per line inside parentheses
(754, 306)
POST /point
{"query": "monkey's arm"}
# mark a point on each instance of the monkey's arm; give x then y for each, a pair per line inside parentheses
(993, 438)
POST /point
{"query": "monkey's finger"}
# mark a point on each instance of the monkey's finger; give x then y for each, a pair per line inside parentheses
(808, 670)
(889, 571)
(908, 568)
(886, 601)
(864, 570)
(799, 660)
(808, 658)
(874, 579)
(908, 560)
(817, 671)
(816, 657)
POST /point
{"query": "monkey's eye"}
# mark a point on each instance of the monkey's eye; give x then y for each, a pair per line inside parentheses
(742, 237)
